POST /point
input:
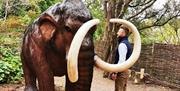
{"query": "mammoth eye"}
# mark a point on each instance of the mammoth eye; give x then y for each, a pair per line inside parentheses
(67, 29)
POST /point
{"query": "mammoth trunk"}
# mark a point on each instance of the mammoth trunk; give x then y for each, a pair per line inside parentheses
(85, 69)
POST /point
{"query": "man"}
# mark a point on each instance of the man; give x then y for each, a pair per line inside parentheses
(123, 52)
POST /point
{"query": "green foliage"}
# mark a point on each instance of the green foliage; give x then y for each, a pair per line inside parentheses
(36, 7)
(165, 34)
(168, 33)
(147, 36)
(10, 66)
(27, 20)
(1, 8)
(10, 38)
(97, 12)
(16, 8)
(45, 4)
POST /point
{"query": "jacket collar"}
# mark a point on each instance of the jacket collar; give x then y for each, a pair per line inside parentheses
(120, 39)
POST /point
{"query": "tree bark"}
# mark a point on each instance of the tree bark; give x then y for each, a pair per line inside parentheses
(107, 36)
(113, 9)
(6, 9)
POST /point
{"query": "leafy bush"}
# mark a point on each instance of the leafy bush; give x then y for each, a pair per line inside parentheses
(10, 65)
(1, 9)
(16, 7)
(44, 4)
(97, 12)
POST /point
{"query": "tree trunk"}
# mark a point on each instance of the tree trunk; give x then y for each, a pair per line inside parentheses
(107, 36)
(6, 9)
(113, 9)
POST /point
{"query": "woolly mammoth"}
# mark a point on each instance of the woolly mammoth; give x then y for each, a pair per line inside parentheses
(60, 42)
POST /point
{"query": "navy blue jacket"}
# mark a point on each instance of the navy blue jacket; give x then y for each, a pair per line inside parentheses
(129, 48)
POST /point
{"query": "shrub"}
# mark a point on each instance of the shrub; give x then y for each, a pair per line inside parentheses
(10, 65)
(45, 4)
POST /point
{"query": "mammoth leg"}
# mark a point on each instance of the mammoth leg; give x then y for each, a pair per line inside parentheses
(45, 78)
(41, 67)
(85, 69)
(30, 79)
(43, 72)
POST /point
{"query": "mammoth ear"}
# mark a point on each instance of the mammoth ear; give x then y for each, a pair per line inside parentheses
(47, 26)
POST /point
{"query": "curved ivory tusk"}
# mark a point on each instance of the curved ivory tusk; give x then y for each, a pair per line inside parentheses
(134, 56)
(72, 57)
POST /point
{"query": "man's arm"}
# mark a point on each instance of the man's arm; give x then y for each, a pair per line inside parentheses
(122, 49)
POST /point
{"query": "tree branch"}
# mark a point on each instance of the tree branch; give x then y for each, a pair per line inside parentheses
(124, 8)
(138, 4)
(6, 9)
(161, 16)
(89, 3)
(156, 24)
(105, 7)
(142, 10)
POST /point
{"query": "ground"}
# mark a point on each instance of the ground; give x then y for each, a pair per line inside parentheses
(99, 84)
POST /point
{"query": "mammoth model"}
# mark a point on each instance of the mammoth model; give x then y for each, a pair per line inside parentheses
(60, 42)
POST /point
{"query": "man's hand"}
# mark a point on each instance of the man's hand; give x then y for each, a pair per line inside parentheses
(114, 76)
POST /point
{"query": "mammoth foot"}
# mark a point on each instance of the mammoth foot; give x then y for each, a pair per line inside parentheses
(30, 88)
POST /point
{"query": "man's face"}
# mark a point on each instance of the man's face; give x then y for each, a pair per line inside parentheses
(121, 33)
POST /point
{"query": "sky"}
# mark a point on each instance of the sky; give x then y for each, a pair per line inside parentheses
(159, 4)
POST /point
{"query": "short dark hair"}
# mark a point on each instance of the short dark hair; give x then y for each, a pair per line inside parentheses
(125, 28)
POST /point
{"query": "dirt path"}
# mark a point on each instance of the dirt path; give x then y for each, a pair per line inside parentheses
(99, 84)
